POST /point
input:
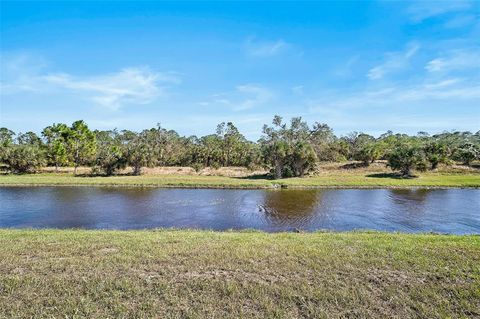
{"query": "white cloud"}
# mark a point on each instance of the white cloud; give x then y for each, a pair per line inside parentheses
(134, 85)
(255, 96)
(257, 48)
(128, 86)
(402, 108)
(393, 61)
(244, 97)
(18, 72)
(422, 10)
(451, 91)
(455, 60)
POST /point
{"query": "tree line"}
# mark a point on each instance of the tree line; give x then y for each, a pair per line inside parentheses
(286, 149)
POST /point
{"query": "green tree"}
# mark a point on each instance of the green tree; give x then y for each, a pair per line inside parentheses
(436, 153)
(276, 154)
(288, 150)
(369, 152)
(6, 141)
(24, 158)
(29, 138)
(140, 151)
(110, 154)
(303, 158)
(232, 144)
(81, 144)
(56, 137)
(326, 145)
(210, 150)
(407, 156)
(467, 153)
(6, 137)
(358, 144)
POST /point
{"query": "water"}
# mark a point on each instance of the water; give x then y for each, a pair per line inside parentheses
(454, 211)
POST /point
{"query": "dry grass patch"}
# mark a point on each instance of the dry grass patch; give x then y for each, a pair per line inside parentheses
(328, 175)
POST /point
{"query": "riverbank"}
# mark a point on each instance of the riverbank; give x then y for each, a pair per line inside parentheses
(348, 179)
(68, 273)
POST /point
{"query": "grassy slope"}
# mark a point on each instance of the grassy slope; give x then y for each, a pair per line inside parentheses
(339, 178)
(54, 273)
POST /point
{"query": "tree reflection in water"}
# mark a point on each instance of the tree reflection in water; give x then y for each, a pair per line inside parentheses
(292, 207)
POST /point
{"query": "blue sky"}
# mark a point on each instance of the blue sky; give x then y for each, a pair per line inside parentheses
(367, 66)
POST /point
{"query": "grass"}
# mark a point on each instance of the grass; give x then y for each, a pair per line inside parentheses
(334, 178)
(191, 274)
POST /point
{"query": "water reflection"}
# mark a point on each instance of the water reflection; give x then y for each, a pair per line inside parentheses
(419, 210)
(290, 207)
(417, 196)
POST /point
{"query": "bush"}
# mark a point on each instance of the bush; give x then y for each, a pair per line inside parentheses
(405, 158)
(467, 153)
(111, 159)
(436, 153)
(368, 153)
(215, 165)
(197, 167)
(23, 158)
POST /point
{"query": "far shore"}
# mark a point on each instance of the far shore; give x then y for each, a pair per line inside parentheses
(330, 175)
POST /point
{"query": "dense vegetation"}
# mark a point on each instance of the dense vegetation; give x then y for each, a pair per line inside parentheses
(287, 150)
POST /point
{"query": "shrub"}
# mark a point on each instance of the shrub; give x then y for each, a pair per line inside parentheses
(405, 158)
(467, 153)
(23, 158)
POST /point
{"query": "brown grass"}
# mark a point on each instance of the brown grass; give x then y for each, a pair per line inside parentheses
(234, 171)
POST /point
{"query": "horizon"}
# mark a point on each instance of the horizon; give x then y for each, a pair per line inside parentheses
(356, 66)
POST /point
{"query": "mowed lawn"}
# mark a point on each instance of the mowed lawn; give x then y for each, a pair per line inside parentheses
(192, 274)
(349, 178)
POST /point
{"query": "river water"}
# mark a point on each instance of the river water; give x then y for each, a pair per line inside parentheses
(455, 211)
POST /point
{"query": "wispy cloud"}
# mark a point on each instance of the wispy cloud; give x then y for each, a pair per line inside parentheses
(258, 48)
(403, 107)
(298, 89)
(455, 60)
(256, 95)
(393, 61)
(244, 97)
(345, 69)
(449, 90)
(460, 21)
(134, 85)
(19, 72)
(422, 10)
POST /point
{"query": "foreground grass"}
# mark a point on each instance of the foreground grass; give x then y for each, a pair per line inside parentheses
(329, 179)
(168, 274)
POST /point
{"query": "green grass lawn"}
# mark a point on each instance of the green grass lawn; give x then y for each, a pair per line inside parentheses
(190, 274)
(332, 179)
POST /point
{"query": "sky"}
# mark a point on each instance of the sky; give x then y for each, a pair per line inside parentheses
(368, 66)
